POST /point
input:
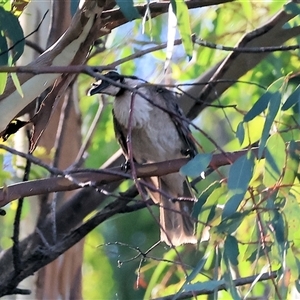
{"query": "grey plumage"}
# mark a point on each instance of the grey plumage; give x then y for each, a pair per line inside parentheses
(156, 135)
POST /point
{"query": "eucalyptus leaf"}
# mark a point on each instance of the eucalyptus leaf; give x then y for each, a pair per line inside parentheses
(197, 165)
(183, 22)
(9, 24)
(128, 9)
(293, 99)
(274, 106)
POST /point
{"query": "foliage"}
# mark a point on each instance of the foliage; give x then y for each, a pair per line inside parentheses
(247, 211)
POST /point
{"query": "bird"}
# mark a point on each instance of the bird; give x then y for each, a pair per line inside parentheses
(159, 132)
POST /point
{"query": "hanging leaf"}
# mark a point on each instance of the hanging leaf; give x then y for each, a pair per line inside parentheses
(279, 229)
(209, 286)
(290, 168)
(3, 49)
(232, 223)
(231, 249)
(292, 8)
(259, 106)
(240, 174)
(17, 84)
(229, 282)
(205, 199)
(275, 156)
(172, 24)
(293, 99)
(197, 165)
(183, 22)
(206, 208)
(274, 106)
(10, 26)
(3, 80)
(292, 212)
(240, 132)
(128, 9)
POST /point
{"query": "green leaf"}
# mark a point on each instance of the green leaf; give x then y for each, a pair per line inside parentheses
(9, 24)
(290, 168)
(197, 165)
(205, 208)
(128, 9)
(3, 80)
(240, 132)
(198, 268)
(279, 229)
(3, 50)
(274, 106)
(292, 213)
(259, 106)
(17, 84)
(205, 198)
(231, 249)
(208, 286)
(183, 22)
(231, 224)
(240, 174)
(293, 99)
(275, 156)
(292, 8)
(172, 26)
(229, 283)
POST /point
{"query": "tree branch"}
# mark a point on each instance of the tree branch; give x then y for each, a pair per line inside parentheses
(85, 177)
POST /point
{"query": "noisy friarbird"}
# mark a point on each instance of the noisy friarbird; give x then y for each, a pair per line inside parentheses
(159, 132)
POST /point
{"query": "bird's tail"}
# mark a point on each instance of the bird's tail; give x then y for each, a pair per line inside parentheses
(176, 222)
(177, 225)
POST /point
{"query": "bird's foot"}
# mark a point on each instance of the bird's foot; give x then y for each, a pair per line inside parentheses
(188, 152)
(126, 166)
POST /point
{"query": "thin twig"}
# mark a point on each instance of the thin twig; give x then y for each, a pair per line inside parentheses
(237, 282)
(207, 44)
(16, 231)
(32, 159)
(79, 158)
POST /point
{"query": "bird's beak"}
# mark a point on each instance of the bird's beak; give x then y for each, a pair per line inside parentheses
(98, 87)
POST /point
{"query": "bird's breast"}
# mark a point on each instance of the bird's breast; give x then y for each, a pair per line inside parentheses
(133, 110)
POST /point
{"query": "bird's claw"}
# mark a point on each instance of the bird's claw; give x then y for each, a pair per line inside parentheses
(126, 166)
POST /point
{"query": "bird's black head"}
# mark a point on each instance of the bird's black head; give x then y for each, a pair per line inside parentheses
(104, 87)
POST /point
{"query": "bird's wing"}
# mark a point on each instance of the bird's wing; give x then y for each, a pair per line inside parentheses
(121, 134)
(180, 121)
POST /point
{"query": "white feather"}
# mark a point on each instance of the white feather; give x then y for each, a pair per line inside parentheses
(141, 107)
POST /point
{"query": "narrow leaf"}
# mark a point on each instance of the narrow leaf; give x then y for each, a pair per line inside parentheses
(293, 99)
(259, 106)
(229, 283)
(3, 80)
(240, 132)
(208, 286)
(292, 213)
(17, 84)
(279, 229)
(292, 8)
(231, 223)
(172, 24)
(275, 156)
(128, 9)
(291, 167)
(240, 174)
(3, 50)
(273, 110)
(231, 249)
(193, 274)
(183, 22)
(12, 29)
(197, 165)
